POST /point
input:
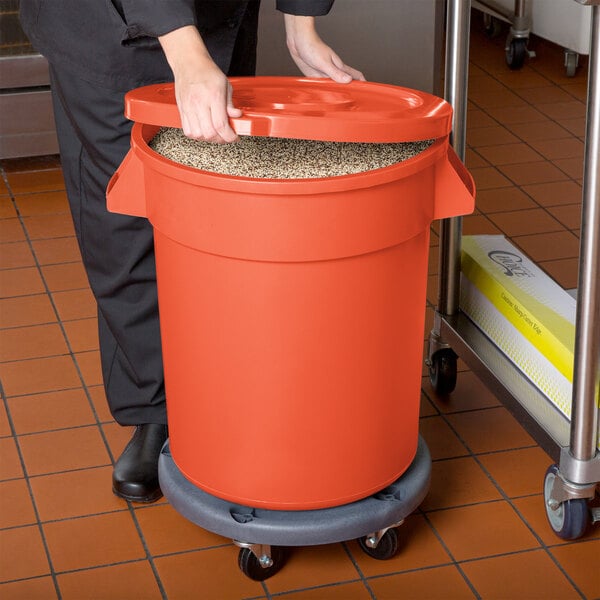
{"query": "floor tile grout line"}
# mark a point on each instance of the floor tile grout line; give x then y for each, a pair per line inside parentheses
(453, 560)
(79, 570)
(485, 453)
(354, 562)
(54, 521)
(71, 353)
(320, 587)
(149, 556)
(324, 586)
(60, 429)
(42, 266)
(22, 579)
(43, 324)
(40, 294)
(432, 397)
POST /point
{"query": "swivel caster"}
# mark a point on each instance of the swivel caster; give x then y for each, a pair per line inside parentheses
(569, 519)
(260, 562)
(443, 371)
(384, 549)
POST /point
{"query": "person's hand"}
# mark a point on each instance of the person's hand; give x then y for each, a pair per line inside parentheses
(312, 56)
(202, 90)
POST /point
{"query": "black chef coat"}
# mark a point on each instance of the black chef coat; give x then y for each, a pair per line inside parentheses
(113, 42)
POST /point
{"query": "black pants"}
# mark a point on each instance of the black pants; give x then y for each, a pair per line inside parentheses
(117, 251)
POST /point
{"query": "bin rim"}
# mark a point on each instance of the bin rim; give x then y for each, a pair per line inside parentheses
(142, 133)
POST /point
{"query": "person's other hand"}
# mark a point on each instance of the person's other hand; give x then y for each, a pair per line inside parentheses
(202, 90)
(312, 56)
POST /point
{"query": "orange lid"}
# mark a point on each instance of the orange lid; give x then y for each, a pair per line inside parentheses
(316, 109)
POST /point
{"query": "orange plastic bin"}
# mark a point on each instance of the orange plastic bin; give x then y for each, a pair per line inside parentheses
(292, 311)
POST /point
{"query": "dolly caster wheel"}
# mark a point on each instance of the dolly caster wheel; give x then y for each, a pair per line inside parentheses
(260, 569)
(569, 519)
(443, 371)
(386, 548)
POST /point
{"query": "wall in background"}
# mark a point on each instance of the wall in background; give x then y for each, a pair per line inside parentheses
(390, 41)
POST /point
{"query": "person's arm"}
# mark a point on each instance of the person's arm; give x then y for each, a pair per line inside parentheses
(312, 56)
(202, 90)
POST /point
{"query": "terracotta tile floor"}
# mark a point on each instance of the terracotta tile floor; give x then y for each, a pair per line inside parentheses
(480, 533)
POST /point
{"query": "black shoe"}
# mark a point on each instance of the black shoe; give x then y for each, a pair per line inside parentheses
(135, 476)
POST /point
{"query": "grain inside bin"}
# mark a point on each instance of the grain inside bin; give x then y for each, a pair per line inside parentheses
(282, 158)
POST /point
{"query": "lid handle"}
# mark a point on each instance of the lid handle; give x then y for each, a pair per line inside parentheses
(156, 105)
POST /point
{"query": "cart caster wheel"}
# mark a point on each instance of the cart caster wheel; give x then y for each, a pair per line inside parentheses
(570, 519)
(442, 372)
(516, 53)
(492, 27)
(386, 548)
(250, 565)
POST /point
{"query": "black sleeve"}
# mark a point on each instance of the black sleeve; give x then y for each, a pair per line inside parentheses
(305, 8)
(153, 18)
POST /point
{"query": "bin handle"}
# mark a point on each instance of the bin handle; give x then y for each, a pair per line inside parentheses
(126, 191)
(156, 105)
(454, 188)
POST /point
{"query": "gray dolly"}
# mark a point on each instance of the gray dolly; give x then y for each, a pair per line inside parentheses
(262, 535)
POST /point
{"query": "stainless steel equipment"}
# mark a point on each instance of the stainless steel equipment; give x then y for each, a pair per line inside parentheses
(569, 486)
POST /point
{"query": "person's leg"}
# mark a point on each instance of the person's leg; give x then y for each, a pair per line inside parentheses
(118, 255)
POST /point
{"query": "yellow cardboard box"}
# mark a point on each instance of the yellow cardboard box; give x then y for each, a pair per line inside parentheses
(523, 311)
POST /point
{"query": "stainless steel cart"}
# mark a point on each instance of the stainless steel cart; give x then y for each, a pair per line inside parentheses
(571, 484)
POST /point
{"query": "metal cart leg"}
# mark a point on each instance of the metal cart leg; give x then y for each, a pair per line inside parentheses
(518, 37)
(568, 488)
(441, 359)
